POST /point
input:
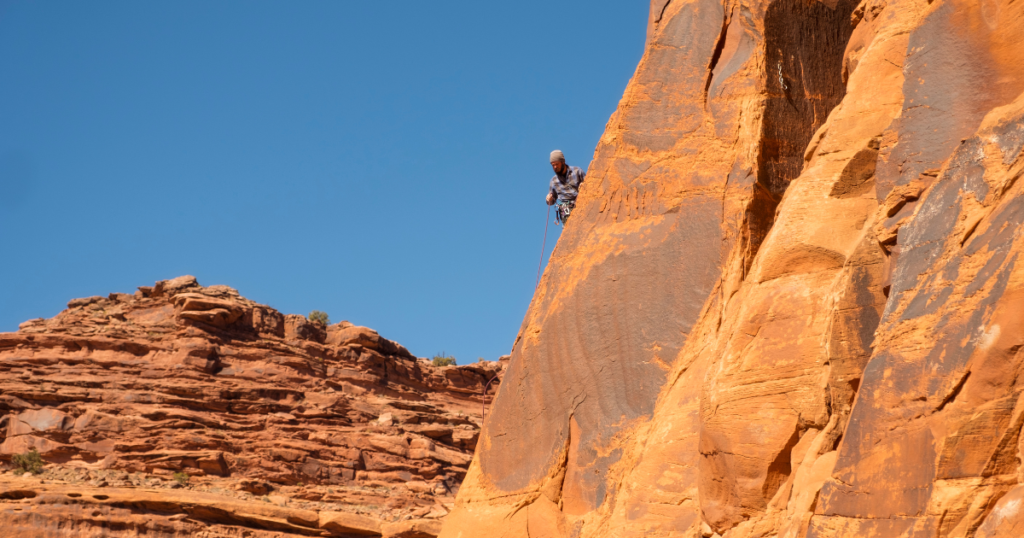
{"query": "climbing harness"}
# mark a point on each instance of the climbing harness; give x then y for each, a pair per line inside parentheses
(563, 212)
(543, 246)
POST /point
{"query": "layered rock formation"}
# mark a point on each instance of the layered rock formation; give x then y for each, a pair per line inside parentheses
(184, 409)
(786, 304)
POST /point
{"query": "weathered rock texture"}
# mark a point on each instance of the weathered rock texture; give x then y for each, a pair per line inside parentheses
(788, 302)
(285, 427)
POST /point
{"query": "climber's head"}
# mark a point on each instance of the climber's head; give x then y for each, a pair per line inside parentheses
(558, 161)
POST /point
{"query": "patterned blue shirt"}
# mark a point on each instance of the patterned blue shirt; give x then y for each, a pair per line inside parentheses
(566, 187)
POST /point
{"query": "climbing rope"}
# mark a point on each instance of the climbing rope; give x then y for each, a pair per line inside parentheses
(483, 403)
(543, 246)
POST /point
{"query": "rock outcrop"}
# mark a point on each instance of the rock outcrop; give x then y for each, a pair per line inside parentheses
(787, 302)
(184, 409)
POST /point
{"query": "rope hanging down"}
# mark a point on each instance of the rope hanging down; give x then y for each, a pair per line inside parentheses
(483, 402)
(543, 246)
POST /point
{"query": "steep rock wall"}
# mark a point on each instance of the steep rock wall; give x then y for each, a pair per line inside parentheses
(776, 408)
(683, 186)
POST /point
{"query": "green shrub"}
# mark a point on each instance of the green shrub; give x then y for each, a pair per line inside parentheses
(29, 462)
(181, 478)
(443, 360)
(317, 316)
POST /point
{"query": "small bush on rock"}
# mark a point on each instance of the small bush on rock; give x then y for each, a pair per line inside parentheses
(317, 316)
(29, 462)
(443, 360)
(181, 478)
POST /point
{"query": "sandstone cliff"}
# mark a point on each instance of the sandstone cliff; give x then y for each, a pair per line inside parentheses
(787, 302)
(184, 410)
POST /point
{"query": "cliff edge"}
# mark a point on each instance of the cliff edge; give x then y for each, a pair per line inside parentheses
(786, 303)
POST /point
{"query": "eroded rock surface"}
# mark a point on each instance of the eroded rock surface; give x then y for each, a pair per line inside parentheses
(183, 408)
(787, 303)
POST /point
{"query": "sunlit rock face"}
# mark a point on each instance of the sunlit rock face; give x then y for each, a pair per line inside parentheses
(786, 304)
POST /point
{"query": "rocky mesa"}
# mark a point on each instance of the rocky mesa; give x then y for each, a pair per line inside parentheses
(787, 303)
(183, 410)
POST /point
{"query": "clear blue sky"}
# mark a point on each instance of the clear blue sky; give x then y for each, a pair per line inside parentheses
(385, 162)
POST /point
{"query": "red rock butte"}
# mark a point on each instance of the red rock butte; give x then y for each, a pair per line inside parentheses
(190, 411)
(788, 301)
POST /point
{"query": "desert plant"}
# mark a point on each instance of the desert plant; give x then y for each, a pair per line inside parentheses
(181, 478)
(317, 316)
(29, 462)
(443, 360)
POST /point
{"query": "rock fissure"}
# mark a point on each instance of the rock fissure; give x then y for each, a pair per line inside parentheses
(715, 56)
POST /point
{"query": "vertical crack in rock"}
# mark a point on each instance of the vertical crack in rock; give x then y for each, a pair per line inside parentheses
(661, 12)
(780, 468)
(758, 220)
(953, 393)
(655, 16)
(802, 83)
(804, 46)
(715, 56)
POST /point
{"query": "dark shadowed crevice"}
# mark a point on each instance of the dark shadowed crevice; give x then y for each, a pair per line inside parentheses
(953, 393)
(804, 46)
(780, 469)
(661, 12)
(715, 56)
(18, 494)
(758, 220)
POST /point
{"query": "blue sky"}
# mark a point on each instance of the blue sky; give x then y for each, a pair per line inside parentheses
(385, 162)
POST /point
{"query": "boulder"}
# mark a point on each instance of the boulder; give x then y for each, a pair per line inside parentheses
(297, 327)
(346, 334)
(413, 528)
(349, 524)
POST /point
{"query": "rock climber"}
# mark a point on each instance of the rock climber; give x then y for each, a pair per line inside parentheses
(565, 186)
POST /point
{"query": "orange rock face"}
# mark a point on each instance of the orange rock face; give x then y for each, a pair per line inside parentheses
(787, 303)
(184, 408)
